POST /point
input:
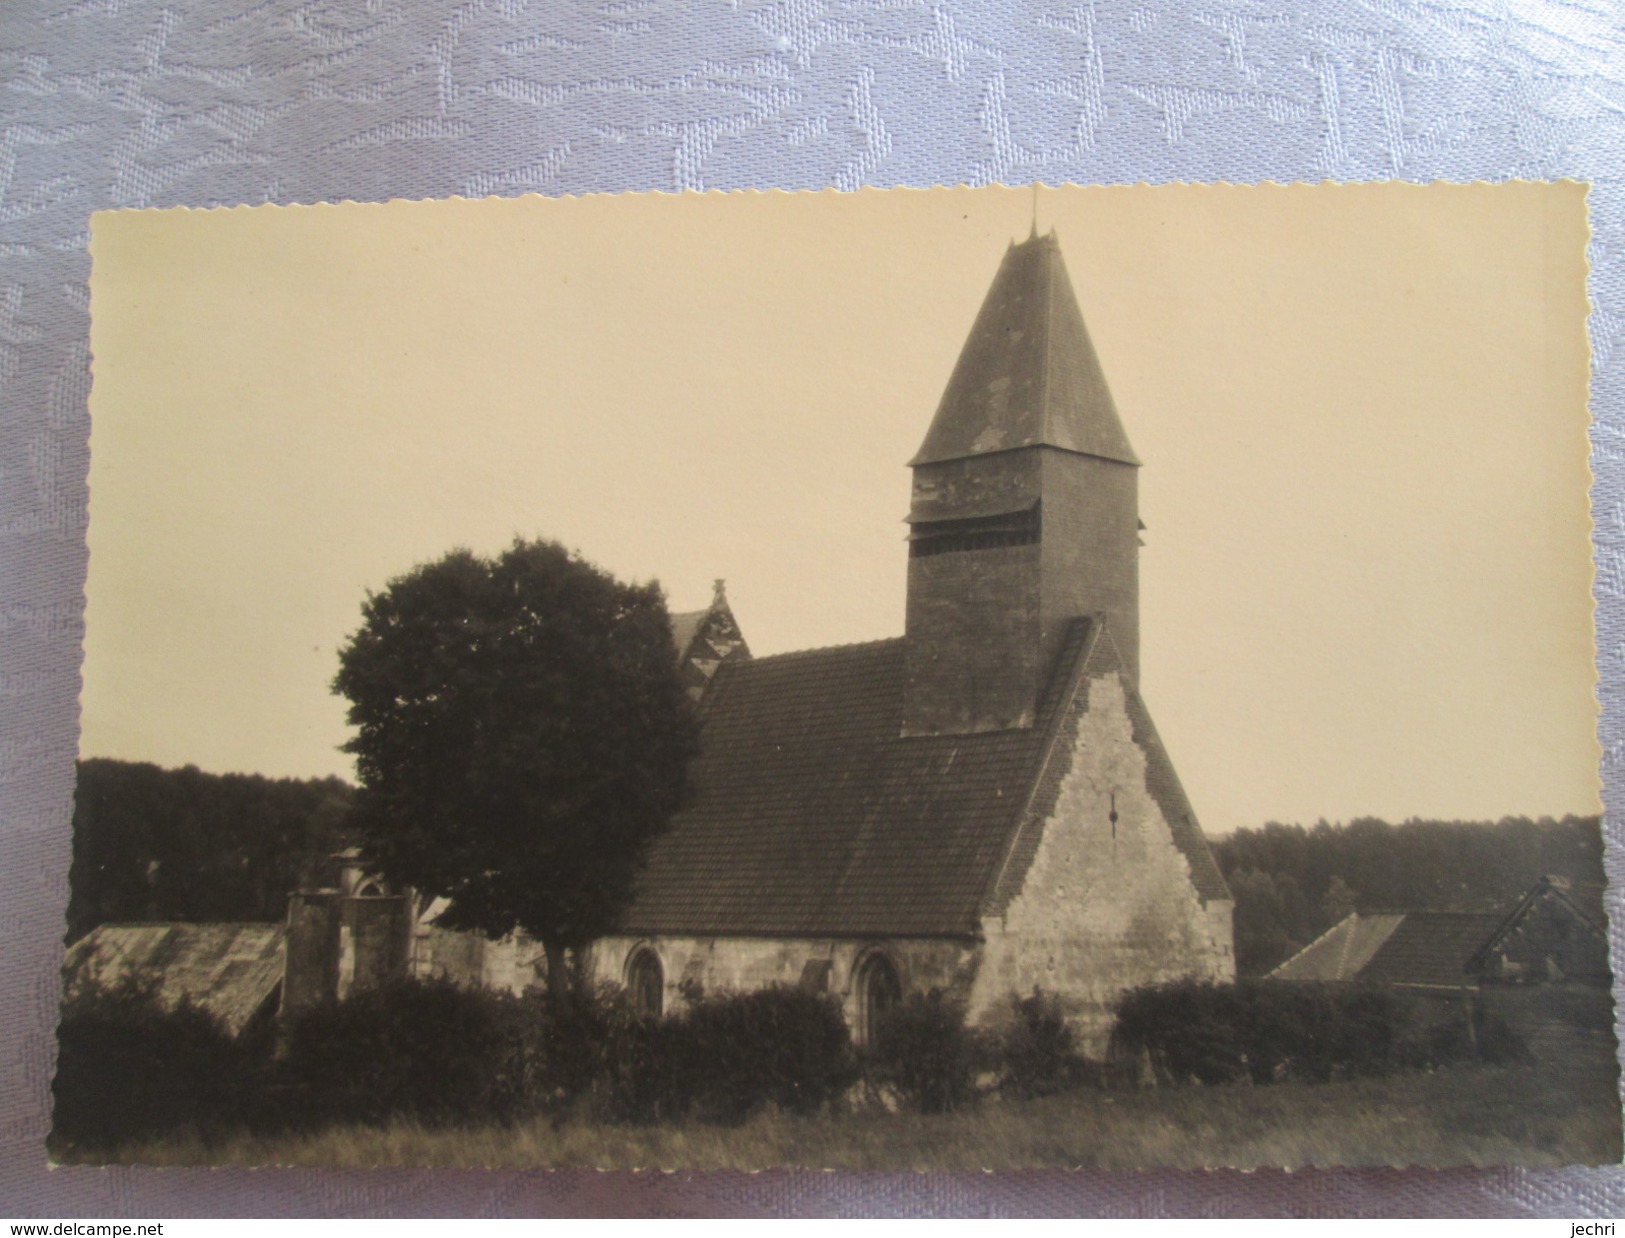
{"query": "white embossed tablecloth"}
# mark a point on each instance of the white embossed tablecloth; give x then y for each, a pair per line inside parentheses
(128, 103)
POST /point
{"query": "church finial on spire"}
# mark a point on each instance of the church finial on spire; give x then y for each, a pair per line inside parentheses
(1033, 235)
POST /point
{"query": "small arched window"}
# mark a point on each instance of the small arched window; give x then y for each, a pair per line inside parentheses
(371, 890)
(646, 983)
(878, 990)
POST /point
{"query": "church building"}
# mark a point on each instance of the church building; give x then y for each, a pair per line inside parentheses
(982, 805)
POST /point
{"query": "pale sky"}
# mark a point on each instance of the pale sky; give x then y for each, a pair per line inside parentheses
(1361, 411)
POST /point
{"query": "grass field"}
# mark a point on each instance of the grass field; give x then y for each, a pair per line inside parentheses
(1558, 1114)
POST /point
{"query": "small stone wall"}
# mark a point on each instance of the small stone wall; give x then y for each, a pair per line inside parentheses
(741, 964)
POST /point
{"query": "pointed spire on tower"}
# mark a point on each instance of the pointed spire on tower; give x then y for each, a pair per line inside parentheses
(1028, 375)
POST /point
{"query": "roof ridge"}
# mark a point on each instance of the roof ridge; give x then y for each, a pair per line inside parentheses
(1046, 350)
(1353, 915)
(758, 659)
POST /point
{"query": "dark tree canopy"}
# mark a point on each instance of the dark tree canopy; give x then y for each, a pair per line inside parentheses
(180, 844)
(1291, 884)
(521, 735)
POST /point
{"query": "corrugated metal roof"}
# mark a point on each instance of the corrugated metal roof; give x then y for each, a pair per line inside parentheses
(1028, 374)
(229, 970)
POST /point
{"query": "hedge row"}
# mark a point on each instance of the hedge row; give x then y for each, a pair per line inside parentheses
(443, 1055)
(929, 1060)
(129, 1070)
(1266, 1031)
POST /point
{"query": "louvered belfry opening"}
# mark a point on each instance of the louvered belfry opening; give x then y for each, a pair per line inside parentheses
(1024, 515)
(938, 537)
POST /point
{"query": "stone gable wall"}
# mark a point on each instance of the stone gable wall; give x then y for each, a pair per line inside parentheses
(1102, 906)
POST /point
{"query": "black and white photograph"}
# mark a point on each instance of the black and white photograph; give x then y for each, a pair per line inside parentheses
(993, 678)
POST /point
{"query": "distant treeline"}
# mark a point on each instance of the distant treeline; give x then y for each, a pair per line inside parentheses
(179, 844)
(1292, 884)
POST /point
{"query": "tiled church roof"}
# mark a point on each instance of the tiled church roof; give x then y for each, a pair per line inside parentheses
(813, 816)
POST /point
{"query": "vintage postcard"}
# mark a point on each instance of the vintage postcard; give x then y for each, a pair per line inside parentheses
(967, 678)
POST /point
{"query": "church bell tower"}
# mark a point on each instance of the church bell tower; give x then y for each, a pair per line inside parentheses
(1024, 514)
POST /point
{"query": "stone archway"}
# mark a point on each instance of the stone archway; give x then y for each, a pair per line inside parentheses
(876, 988)
(646, 983)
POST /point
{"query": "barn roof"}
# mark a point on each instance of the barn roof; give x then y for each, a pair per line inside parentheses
(1342, 950)
(1028, 374)
(813, 815)
(229, 970)
(1419, 948)
(1431, 949)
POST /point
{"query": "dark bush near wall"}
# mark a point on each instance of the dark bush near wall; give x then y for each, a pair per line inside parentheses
(128, 1069)
(729, 1054)
(427, 1050)
(577, 1043)
(1269, 1031)
(923, 1051)
(443, 1055)
(1191, 1031)
(1036, 1054)
(782, 1045)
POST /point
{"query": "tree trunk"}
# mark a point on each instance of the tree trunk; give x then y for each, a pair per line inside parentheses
(558, 974)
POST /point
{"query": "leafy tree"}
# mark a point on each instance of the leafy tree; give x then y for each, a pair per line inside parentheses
(180, 844)
(521, 736)
(1338, 903)
(1292, 884)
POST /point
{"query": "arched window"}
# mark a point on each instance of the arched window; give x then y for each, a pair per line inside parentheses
(877, 989)
(646, 983)
(370, 890)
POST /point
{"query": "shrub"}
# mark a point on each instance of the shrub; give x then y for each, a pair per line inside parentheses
(1457, 1033)
(1265, 1031)
(782, 1045)
(924, 1052)
(730, 1054)
(1036, 1054)
(575, 1043)
(130, 1069)
(424, 1049)
(1189, 1029)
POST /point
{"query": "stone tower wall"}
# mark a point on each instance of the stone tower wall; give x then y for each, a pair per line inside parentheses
(1091, 551)
(985, 624)
(972, 662)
